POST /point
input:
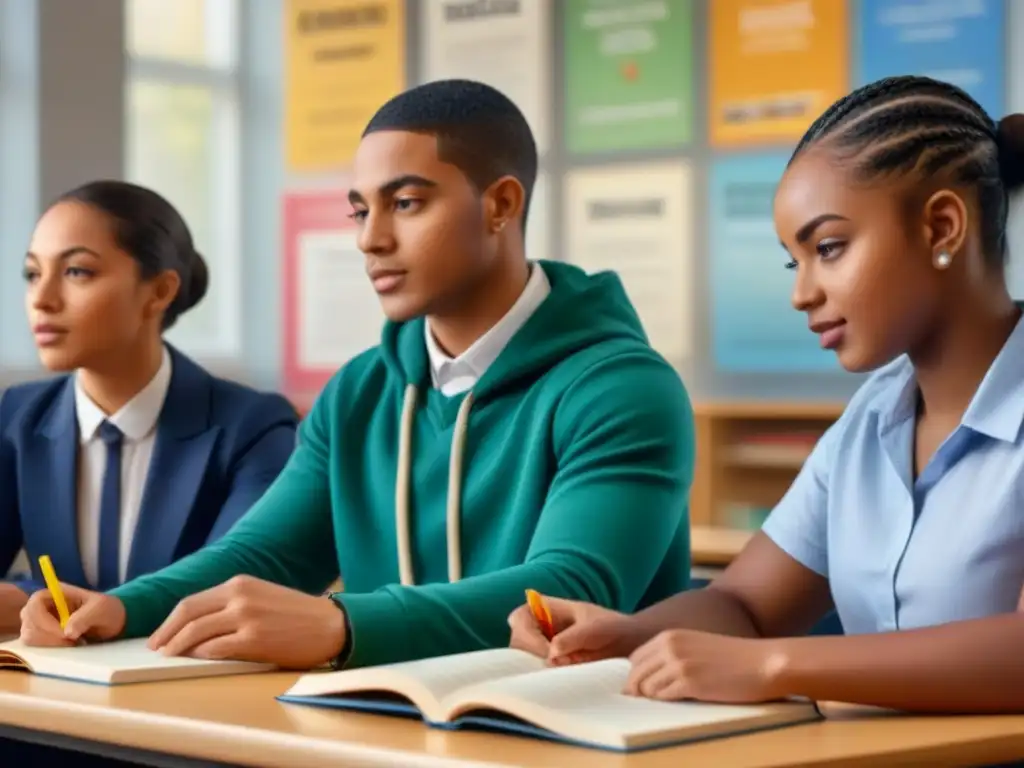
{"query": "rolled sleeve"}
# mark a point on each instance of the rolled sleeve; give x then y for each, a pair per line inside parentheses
(799, 523)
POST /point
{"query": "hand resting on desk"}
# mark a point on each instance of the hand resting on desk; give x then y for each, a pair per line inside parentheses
(244, 619)
(12, 600)
(248, 619)
(673, 665)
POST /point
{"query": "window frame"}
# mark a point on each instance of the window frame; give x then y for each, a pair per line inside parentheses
(220, 75)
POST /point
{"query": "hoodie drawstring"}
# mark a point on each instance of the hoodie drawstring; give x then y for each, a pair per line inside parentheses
(403, 484)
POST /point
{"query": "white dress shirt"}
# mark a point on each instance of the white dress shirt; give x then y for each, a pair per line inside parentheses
(137, 421)
(453, 376)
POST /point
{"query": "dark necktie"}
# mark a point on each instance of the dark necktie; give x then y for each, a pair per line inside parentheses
(110, 509)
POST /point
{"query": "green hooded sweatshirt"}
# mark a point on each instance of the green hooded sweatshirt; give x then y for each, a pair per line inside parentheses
(566, 469)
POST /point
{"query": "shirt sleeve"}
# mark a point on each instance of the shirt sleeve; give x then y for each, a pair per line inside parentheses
(799, 523)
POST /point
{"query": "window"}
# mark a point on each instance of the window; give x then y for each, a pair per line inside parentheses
(183, 136)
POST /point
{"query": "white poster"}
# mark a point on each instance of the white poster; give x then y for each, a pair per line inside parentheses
(538, 243)
(339, 313)
(504, 43)
(1016, 74)
(636, 220)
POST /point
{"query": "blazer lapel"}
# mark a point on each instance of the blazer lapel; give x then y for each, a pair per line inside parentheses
(49, 502)
(184, 441)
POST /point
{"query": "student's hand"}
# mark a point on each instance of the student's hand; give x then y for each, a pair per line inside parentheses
(684, 664)
(246, 619)
(94, 616)
(583, 632)
(12, 600)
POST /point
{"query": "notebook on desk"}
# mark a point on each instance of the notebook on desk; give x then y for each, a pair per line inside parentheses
(511, 691)
(114, 663)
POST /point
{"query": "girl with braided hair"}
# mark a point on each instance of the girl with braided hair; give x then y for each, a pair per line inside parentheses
(908, 517)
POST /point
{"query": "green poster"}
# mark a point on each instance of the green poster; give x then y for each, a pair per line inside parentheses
(629, 74)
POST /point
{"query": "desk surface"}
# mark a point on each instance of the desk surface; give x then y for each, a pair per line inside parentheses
(237, 720)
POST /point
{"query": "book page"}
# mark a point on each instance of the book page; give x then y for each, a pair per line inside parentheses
(101, 661)
(586, 700)
(119, 655)
(437, 677)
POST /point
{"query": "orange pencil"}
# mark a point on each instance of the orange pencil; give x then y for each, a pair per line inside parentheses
(541, 613)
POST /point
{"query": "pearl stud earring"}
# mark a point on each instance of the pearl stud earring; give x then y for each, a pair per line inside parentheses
(943, 260)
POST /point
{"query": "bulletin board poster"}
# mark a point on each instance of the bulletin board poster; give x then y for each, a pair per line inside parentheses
(331, 312)
(637, 221)
(959, 41)
(343, 60)
(1015, 273)
(505, 44)
(775, 66)
(754, 328)
(628, 74)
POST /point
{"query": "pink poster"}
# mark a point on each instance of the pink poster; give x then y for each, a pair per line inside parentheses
(331, 312)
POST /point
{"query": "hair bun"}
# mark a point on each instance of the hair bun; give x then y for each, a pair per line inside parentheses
(198, 282)
(1010, 138)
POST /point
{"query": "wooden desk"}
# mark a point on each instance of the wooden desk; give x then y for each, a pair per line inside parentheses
(237, 721)
(711, 546)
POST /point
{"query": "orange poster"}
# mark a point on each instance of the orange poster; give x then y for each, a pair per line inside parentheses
(775, 66)
(343, 60)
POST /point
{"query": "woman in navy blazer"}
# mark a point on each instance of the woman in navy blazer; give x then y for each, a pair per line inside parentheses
(111, 266)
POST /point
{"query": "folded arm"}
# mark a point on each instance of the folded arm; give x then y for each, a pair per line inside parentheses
(776, 590)
(963, 667)
(618, 498)
(286, 537)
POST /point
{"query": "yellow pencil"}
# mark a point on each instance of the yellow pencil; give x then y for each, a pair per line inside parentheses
(52, 584)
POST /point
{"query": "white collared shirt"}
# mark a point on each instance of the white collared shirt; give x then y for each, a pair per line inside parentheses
(137, 421)
(453, 376)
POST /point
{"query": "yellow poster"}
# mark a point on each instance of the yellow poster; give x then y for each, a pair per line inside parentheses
(775, 66)
(343, 59)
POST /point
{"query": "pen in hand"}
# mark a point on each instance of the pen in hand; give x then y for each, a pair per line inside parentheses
(53, 586)
(541, 613)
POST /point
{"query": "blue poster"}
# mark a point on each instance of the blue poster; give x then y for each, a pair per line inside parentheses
(754, 327)
(960, 41)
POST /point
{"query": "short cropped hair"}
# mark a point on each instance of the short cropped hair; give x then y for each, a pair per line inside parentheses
(479, 130)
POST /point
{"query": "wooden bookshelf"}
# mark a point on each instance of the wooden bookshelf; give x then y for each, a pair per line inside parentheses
(748, 454)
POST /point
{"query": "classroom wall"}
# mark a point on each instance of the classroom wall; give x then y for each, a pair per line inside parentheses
(59, 123)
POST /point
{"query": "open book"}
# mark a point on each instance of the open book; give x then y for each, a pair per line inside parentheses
(512, 691)
(115, 663)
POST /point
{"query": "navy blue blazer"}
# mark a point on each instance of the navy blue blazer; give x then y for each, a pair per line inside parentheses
(219, 446)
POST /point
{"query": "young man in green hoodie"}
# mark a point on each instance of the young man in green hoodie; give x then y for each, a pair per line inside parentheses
(513, 430)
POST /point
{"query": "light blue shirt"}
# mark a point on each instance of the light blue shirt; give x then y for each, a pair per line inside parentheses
(900, 553)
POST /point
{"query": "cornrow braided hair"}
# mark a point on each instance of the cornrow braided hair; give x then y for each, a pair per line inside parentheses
(909, 124)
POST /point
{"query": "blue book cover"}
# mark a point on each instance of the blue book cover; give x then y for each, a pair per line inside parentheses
(508, 691)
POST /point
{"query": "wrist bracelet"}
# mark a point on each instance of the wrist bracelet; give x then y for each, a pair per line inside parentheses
(338, 662)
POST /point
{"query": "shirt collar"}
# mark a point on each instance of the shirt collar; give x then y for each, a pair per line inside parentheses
(485, 350)
(136, 418)
(997, 408)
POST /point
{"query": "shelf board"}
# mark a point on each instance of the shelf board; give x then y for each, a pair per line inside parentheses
(767, 456)
(716, 546)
